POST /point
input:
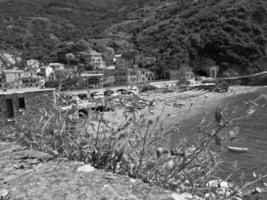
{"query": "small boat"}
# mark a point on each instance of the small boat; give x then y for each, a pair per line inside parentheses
(238, 149)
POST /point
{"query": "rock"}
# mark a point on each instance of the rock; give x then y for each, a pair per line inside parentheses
(184, 196)
(60, 179)
(86, 168)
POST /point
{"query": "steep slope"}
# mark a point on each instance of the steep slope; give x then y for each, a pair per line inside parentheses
(230, 33)
(37, 27)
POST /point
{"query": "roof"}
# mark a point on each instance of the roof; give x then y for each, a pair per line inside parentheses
(90, 75)
(13, 71)
(56, 64)
(25, 90)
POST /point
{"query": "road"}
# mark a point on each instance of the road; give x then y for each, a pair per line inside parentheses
(159, 84)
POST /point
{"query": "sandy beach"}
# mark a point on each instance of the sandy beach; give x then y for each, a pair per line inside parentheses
(175, 107)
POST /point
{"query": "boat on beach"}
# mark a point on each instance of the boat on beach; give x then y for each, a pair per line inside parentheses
(238, 149)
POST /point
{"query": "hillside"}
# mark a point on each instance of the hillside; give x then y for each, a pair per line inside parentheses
(230, 33)
(38, 27)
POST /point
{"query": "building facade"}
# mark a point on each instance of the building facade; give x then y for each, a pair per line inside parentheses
(32, 64)
(132, 76)
(61, 74)
(96, 60)
(211, 70)
(20, 79)
(92, 79)
(47, 72)
(15, 102)
(56, 66)
(139, 76)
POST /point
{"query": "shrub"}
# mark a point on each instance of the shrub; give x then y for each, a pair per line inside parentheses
(134, 142)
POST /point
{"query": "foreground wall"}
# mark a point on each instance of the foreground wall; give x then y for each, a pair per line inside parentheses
(34, 101)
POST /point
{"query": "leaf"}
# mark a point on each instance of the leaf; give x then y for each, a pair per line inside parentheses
(189, 179)
(242, 177)
(218, 114)
(235, 165)
(121, 136)
(254, 175)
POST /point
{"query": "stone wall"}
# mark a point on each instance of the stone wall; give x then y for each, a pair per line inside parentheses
(29, 175)
(34, 101)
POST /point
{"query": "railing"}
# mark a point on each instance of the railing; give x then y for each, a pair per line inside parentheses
(245, 76)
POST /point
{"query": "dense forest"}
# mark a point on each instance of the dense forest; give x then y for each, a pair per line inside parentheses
(229, 33)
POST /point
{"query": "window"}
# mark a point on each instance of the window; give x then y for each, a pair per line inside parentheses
(21, 103)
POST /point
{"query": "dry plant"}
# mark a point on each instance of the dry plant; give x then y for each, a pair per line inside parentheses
(138, 145)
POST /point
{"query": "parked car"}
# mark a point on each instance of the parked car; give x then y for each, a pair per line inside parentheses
(96, 95)
(108, 93)
(122, 91)
(103, 108)
(82, 96)
(126, 92)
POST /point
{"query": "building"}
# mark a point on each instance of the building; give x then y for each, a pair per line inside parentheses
(145, 60)
(20, 79)
(56, 66)
(47, 72)
(93, 79)
(96, 60)
(139, 76)
(122, 62)
(115, 77)
(110, 77)
(14, 102)
(210, 70)
(32, 64)
(132, 76)
(61, 74)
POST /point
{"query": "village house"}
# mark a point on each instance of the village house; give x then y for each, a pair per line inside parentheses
(122, 62)
(61, 74)
(109, 77)
(114, 77)
(20, 79)
(32, 64)
(145, 60)
(47, 72)
(139, 76)
(96, 60)
(92, 78)
(209, 71)
(56, 66)
(130, 76)
(15, 102)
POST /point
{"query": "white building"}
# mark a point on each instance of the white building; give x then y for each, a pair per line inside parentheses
(56, 66)
(96, 60)
(32, 64)
(47, 72)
